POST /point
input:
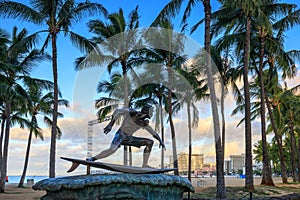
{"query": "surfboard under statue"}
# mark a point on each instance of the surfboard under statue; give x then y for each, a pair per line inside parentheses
(115, 167)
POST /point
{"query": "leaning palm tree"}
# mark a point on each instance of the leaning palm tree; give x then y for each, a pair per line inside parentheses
(39, 104)
(165, 49)
(264, 31)
(190, 97)
(57, 16)
(265, 43)
(4, 42)
(242, 14)
(153, 91)
(171, 10)
(288, 108)
(14, 75)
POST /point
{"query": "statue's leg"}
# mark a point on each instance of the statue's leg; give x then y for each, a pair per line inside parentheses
(138, 142)
(147, 151)
(112, 149)
(115, 144)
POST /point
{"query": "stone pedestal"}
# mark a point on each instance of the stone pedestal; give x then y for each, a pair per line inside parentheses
(115, 186)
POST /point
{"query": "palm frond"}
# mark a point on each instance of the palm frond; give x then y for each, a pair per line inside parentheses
(82, 43)
(19, 11)
(170, 10)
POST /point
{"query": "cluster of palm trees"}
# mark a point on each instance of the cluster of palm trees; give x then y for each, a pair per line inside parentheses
(283, 123)
(248, 39)
(23, 97)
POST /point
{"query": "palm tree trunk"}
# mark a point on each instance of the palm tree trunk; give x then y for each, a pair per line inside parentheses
(248, 137)
(279, 143)
(162, 133)
(293, 151)
(266, 172)
(26, 160)
(21, 183)
(190, 141)
(5, 146)
(190, 144)
(223, 117)
(175, 161)
(221, 190)
(1, 140)
(170, 112)
(126, 105)
(55, 109)
(298, 158)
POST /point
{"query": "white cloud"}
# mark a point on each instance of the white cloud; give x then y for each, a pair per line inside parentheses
(73, 142)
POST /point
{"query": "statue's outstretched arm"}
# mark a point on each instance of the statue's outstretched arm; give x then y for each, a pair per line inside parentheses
(109, 126)
(161, 143)
(114, 117)
(156, 136)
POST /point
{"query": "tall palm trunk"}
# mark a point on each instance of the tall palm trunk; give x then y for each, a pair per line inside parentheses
(175, 161)
(55, 108)
(293, 150)
(190, 140)
(279, 143)
(221, 190)
(190, 144)
(170, 112)
(266, 172)
(298, 158)
(223, 117)
(162, 133)
(21, 183)
(126, 105)
(5, 146)
(248, 137)
(1, 140)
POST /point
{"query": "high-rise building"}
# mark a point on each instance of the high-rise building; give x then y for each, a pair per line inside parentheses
(237, 162)
(183, 161)
(227, 167)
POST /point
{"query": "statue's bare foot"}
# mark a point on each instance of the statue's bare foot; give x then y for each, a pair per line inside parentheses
(91, 159)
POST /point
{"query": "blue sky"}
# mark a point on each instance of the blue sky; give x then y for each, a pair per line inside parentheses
(73, 143)
(67, 53)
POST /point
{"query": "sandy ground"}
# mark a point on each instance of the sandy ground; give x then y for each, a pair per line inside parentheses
(12, 192)
(27, 193)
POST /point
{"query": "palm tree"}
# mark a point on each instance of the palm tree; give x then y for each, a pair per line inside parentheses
(229, 75)
(58, 16)
(165, 49)
(119, 42)
(243, 12)
(39, 103)
(4, 41)
(171, 9)
(14, 75)
(265, 11)
(156, 94)
(153, 91)
(106, 105)
(290, 109)
(264, 31)
(279, 60)
(190, 97)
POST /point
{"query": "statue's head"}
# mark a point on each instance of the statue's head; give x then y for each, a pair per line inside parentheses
(148, 110)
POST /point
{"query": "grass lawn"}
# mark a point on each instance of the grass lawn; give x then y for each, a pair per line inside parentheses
(241, 193)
